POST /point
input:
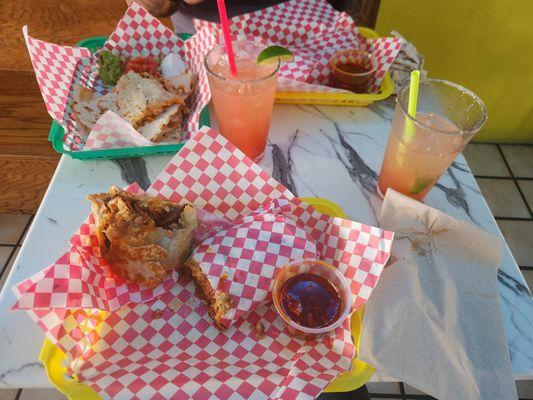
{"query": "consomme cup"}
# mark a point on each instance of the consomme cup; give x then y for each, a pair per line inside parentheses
(326, 271)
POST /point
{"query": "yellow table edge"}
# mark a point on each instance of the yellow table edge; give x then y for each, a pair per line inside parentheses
(52, 357)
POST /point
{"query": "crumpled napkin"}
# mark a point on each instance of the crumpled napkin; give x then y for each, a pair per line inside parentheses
(434, 321)
(407, 60)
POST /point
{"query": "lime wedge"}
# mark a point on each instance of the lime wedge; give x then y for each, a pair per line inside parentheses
(274, 53)
(420, 184)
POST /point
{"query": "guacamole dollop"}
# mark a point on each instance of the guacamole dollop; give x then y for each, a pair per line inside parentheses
(110, 68)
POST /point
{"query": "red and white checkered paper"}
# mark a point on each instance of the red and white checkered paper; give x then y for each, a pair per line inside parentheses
(241, 258)
(161, 343)
(58, 68)
(314, 31)
(112, 132)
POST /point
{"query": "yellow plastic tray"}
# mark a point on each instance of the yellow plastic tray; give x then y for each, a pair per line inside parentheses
(54, 359)
(340, 99)
(360, 372)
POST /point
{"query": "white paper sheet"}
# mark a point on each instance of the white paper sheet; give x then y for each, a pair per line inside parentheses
(434, 320)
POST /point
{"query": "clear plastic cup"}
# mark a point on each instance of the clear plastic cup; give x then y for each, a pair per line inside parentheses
(243, 103)
(447, 117)
(355, 81)
(323, 269)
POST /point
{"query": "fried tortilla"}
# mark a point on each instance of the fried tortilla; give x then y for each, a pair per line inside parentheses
(84, 107)
(182, 84)
(217, 302)
(108, 102)
(141, 99)
(163, 123)
(142, 238)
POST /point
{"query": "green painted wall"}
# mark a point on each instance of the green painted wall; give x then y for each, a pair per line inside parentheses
(484, 45)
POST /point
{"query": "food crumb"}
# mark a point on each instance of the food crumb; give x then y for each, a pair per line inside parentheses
(259, 329)
(157, 314)
(225, 301)
(224, 276)
(175, 304)
(85, 93)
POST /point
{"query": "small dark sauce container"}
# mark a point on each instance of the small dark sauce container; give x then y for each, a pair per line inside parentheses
(352, 70)
(323, 272)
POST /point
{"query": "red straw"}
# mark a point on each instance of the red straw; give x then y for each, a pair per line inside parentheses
(227, 37)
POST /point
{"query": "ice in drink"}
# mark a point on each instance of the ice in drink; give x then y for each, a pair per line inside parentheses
(413, 167)
(420, 150)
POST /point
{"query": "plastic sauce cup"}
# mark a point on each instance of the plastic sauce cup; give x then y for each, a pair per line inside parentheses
(323, 269)
(352, 70)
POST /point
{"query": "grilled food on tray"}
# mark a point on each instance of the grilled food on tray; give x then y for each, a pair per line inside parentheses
(217, 301)
(153, 98)
(143, 238)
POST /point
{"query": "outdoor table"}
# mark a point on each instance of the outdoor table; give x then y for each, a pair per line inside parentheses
(317, 151)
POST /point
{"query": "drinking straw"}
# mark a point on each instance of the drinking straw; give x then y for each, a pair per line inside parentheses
(227, 38)
(412, 106)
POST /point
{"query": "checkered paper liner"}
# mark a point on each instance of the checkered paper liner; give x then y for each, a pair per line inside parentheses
(314, 31)
(59, 69)
(242, 258)
(112, 132)
(163, 344)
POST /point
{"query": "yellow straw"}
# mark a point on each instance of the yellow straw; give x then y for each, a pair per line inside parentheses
(413, 102)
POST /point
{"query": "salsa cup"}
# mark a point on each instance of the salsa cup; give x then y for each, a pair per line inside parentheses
(324, 270)
(355, 81)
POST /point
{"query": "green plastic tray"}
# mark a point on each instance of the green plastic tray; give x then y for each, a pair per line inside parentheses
(56, 131)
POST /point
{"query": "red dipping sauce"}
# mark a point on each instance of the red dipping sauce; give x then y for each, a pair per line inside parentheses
(353, 68)
(142, 64)
(310, 300)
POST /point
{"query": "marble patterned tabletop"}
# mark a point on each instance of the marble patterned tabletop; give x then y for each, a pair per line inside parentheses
(331, 152)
